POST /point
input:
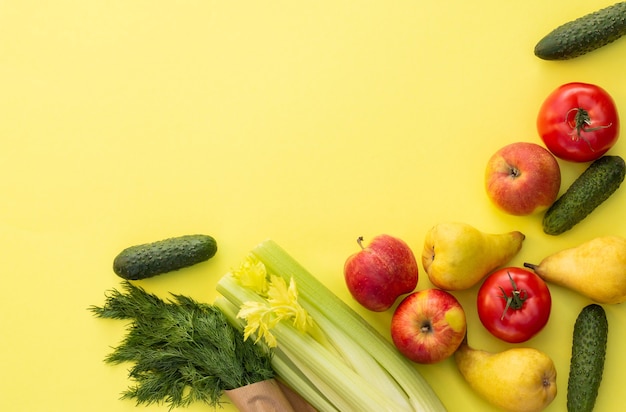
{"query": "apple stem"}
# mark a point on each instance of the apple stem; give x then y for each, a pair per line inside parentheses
(359, 240)
(514, 301)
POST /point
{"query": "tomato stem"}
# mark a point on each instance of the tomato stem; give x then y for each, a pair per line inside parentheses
(580, 124)
(515, 300)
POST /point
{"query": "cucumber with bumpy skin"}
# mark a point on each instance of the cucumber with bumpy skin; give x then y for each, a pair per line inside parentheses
(584, 34)
(151, 259)
(588, 355)
(596, 184)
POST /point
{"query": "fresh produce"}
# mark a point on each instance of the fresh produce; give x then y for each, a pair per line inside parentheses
(151, 259)
(457, 256)
(428, 326)
(578, 122)
(324, 349)
(595, 269)
(588, 354)
(522, 178)
(514, 304)
(183, 351)
(595, 185)
(583, 35)
(516, 380)
(381, 272)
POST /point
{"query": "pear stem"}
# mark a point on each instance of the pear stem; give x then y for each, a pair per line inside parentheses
(530, 266)
(359, 240)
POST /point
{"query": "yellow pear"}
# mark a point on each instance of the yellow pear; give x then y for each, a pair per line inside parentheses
(595, 269)
(457, 255)
(516, 380)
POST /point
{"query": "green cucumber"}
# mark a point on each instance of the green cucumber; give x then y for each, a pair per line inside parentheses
(588, 353)
(596, 184)
(584, 34)
(151, 259)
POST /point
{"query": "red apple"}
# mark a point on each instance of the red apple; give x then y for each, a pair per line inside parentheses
(523, 178)
(379, 273)
(428, 326)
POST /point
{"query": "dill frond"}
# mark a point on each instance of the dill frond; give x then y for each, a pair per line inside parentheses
(182, 351)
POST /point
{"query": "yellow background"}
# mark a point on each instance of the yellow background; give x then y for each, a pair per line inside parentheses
(309, 122)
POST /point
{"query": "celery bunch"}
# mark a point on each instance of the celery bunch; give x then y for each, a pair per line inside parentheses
(322, 348)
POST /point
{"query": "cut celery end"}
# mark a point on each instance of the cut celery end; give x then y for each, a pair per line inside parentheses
(317, 295)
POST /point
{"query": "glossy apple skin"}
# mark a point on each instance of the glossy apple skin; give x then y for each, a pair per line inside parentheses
(522, 178)
(381, 272)
(428, 326)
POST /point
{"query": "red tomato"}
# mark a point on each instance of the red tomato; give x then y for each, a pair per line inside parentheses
(578, 122)
(514, 304)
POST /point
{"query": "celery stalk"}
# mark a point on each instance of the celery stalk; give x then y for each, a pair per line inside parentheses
(285, 368)
(305, 382)
(317, 295)
(353, 388)
(320, 385)
(359, 359)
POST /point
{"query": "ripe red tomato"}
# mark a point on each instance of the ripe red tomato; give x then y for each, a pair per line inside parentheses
(514, 304)
(578, 122)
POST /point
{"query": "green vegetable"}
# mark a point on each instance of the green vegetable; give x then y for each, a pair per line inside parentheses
(183, 351)
(588, 354)
(584, 34)
(323, 348)
(151, 259)
(595, 185)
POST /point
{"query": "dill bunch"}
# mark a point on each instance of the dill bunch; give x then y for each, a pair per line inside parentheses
(183, 351)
